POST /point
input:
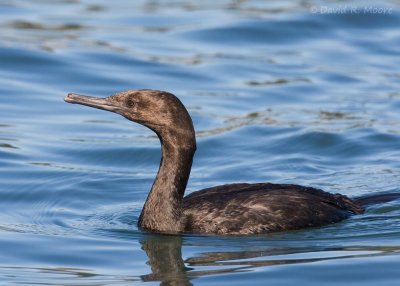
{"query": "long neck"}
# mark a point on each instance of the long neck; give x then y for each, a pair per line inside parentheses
(162, 211)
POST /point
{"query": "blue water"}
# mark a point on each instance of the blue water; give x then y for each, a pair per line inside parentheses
(288, 92)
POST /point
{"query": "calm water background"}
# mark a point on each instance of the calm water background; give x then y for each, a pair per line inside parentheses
(303, 92)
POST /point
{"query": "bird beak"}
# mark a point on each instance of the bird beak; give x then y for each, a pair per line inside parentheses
(96, 102)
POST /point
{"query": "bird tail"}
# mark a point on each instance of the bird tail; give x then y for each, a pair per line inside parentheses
(374, 199)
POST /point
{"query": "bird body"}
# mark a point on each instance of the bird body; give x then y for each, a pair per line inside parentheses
(263, 207)
(227, 209)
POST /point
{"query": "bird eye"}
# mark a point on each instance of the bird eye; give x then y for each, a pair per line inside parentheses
(130, 103)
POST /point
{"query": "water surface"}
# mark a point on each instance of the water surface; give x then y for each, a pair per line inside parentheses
(284, 92)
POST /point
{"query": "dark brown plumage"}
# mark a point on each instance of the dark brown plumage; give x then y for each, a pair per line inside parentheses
(226, 209)
(263, 207)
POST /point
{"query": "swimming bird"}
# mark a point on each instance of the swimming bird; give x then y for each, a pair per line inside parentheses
(238, 208)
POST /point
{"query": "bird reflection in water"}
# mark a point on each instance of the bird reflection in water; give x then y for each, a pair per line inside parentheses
(164, 254)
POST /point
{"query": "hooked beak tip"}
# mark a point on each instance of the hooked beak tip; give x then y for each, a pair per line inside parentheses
(69, 98)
